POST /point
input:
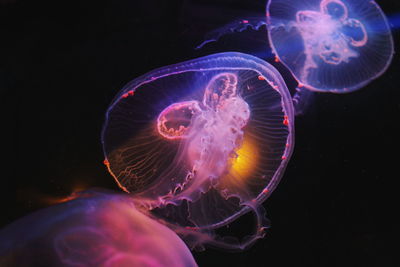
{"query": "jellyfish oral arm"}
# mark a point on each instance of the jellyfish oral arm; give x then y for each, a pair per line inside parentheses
(212, 129)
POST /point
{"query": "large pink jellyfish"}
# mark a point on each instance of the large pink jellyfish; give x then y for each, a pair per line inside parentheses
(98, 228)
(202, 142)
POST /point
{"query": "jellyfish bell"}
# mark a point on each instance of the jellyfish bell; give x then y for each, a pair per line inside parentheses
(340, 46)
(202, 142)
(334, 46)
(97, 228)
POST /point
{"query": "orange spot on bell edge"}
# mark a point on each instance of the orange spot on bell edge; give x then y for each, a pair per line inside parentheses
(286, 120)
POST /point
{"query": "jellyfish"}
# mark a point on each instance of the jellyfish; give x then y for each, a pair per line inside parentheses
(98, 228)
(334, 46)
(200, 143)
(330, 45)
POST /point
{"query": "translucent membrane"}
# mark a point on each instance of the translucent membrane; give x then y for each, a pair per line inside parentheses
(96, 229)
(201, 142)
(330, 45)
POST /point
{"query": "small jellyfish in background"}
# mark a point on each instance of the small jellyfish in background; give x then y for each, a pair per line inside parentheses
(200, 143)
(99, 228)
(330, 45)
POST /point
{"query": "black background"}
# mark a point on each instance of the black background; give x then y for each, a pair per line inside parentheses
(62, 62)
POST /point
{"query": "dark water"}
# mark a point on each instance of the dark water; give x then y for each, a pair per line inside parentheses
(63, 62)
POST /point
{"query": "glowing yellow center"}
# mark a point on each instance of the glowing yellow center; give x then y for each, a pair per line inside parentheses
(245, 163)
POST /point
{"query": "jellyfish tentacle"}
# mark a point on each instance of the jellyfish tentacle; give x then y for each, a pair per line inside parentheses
(238, 25)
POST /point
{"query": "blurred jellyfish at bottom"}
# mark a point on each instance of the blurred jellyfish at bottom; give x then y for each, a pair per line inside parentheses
(200, 143)
(99, 228)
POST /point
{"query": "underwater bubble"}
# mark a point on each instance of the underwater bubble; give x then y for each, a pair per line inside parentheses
(330, 45)
(98, 228)
(201, 142)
